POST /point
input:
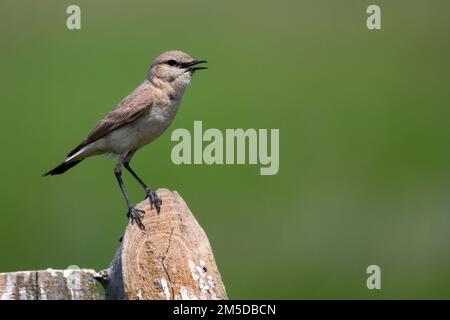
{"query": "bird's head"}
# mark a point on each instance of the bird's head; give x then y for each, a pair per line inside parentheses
(175, 68)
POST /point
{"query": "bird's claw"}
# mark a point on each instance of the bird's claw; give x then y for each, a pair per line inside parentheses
(136, 215)
(154, 200)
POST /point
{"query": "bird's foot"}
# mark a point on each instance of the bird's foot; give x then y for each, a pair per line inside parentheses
(154, 200)
(136, 215)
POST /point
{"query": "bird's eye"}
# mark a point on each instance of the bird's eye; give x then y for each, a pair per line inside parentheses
(171, 62)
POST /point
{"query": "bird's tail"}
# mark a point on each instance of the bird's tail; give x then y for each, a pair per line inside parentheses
(63, 167)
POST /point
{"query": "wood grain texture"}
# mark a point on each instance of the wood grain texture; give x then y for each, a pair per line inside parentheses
(70, 284)
(171, 259)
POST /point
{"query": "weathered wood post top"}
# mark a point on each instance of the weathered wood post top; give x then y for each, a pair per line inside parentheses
(171, 259)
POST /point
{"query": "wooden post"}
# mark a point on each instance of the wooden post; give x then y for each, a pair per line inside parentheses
(170, 259)
(70, 284)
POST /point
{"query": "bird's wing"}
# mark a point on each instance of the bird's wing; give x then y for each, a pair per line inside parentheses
(127, 111)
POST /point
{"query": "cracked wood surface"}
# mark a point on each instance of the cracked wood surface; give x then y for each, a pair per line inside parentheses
(170, 259)
(69, 284)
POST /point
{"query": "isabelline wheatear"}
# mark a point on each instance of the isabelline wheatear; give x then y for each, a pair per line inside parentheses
(137, 120)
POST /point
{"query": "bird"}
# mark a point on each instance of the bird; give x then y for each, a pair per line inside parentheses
(136, 121)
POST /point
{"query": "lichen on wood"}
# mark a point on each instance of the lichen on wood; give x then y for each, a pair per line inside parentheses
(171, 259)
(69, 284)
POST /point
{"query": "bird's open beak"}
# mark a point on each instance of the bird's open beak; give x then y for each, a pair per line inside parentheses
(190, 66)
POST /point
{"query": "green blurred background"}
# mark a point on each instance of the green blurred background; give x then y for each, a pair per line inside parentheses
(364, 138)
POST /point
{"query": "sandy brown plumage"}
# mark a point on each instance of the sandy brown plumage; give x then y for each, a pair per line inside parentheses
(138, 119)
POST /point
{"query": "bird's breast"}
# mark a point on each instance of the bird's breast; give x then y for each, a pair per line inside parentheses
(149, 126)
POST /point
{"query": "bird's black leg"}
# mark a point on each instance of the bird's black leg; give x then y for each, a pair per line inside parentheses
(151, 195)
(133, 213)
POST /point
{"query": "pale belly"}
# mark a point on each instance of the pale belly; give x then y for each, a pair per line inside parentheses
(149, 126)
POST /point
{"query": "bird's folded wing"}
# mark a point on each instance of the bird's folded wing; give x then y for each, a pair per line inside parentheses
(121, 115)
